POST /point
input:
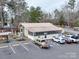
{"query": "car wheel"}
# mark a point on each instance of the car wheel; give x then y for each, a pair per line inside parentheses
(58, 41)
(34, 42)
(72, 40)
(41, 46)
(53, 40)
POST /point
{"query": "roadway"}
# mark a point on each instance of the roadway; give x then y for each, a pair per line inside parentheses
(70, 30)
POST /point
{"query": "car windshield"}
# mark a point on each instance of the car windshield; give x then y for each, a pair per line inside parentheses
(42, 40)
(75, 37)
(56, 38)
(62, 39)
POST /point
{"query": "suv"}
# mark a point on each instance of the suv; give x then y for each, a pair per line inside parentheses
(72, 38)
(75, 39)
(41, 43)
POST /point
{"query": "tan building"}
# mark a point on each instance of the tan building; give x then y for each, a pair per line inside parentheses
(39, 30)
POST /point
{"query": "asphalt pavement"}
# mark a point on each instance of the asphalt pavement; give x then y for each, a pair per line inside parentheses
(32, 51)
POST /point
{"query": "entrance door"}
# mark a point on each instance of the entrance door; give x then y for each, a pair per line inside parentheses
(45, 36)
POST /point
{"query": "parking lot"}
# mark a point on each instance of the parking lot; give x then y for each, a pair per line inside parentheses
(32, 51)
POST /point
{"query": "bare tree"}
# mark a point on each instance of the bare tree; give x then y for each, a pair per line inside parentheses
(19, 9)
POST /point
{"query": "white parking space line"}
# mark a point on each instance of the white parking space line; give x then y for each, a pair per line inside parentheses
(12, 45)
(16, 45)
(25, 43)
(36, 46)
(33, 44)
(56, 44)
(8, 46)
(24, 47)
(4, 47)
(51, 45)
(12, 48)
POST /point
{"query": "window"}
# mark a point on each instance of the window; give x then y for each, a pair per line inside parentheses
(38, 40)
(45, 36)
(30, 33)
(38, 33)
(42, 40)
(5, 23)
(73, 36)
(53, 32)
(42, 33)
(48, 32)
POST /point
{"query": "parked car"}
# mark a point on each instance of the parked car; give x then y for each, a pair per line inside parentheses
(68, 38)
(72, 38)
(76, 28)
(75, 39)
(59, 39)
(41, 43)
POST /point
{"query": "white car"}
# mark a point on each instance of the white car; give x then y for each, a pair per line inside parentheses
(59, 39)
(72, 38)
(75, 38)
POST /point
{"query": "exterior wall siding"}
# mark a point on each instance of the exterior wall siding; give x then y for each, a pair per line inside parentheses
(49, 35)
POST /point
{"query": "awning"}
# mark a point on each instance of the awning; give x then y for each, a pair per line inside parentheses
(4, 33)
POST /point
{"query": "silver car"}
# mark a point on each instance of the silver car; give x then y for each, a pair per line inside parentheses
(41, 43)
(59, 39)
